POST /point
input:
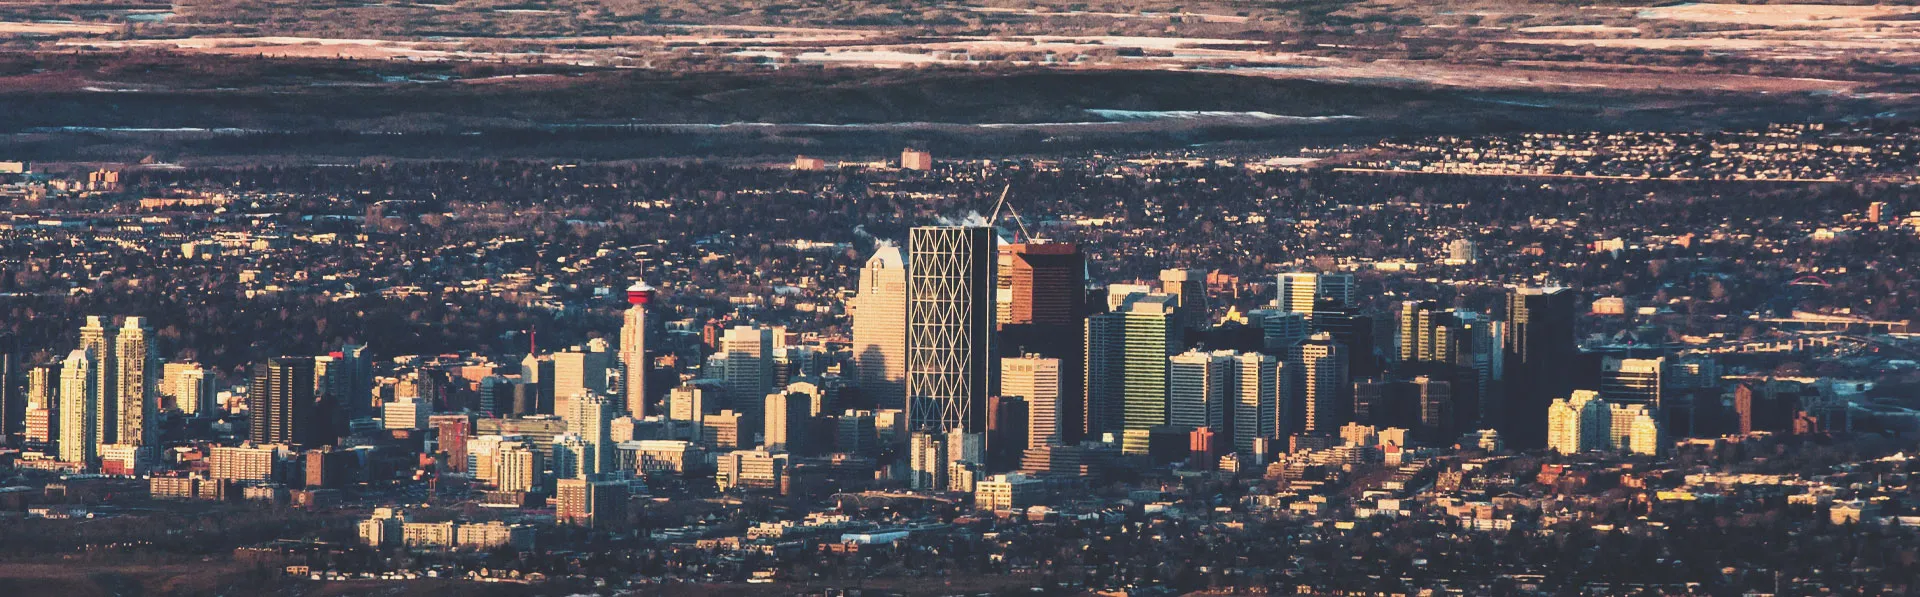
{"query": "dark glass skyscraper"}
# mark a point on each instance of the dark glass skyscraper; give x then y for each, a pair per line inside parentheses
(281, 404)
(1540, 358)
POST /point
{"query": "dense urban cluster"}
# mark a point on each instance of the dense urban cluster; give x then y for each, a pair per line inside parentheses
(1149, 373)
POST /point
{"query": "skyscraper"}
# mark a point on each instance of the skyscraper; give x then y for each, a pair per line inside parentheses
(789, 422)
(43, 405)
(1105, 361)
(1632, 381)
(1190, 285)
(1150, 335)
(13, 406)
(1320, 390)
(536, 371)
(1281, 329)
(1045, 283)
(1539, 356)
(578, 370)
(139, 372)
(1007, 434)
(280, 403)
(1257, 384)
(590, 416)
(1436, 408)
(950, 304)
(1300, 292)
(331, 376)
(749, 375)
(97, 339)
(356, 395)
(1426, 333)
(880, 328)
(1045, 286)
(633, 349)
(1198, 389)
(1038, 380)
(79, 397)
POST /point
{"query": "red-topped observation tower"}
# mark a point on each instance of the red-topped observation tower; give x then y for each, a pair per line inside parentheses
(640, 293)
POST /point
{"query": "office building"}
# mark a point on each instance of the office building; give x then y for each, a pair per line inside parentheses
(1198, 390)
(1256, 392)
(1301, 292)
(327, 468)
(879, 312)
(1043, 285)
(571, 457)
(721, 431)
(1103, 384)
(1280, 330)
(1632, 381)
(1189, 286)
(687, 403)
(950, 325)
(748, 376)
(576, 371)
(856, 433)
(1007, 433)
(914, 159)
(789, 423)
(1539, 357)
(13, 404)
(280, 404)
(408, 413)
(357, 389)
(537, 373)
(1149, 336)
(1427, 333)
(451, 433)
(1038, 380)
(633, 348)
(1436, 408)
(332, 376)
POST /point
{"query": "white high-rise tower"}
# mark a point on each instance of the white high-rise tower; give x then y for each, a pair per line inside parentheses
(135, 383)
(633, 349)
(880, 328)
(96, 338)
(79, 397)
